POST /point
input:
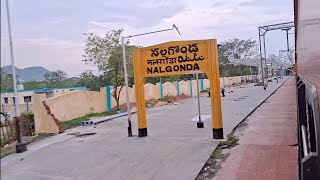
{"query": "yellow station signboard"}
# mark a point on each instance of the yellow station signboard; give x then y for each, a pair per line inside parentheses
(178, 58)
(174, 58)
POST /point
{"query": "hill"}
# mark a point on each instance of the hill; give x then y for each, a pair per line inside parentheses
(27, 74)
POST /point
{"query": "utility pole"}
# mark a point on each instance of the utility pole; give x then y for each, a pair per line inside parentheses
(199, 123)
(20, 146)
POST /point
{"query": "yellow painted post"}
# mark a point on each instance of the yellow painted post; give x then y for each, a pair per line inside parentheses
(140, 99)
(217, 126)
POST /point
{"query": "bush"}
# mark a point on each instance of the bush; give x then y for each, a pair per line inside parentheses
(27, 124)
(27, 115)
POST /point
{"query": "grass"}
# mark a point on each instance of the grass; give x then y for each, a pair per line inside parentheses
(232, 141)
(165, 99)
(203, 91)
(77, 121)
(217, 153)
(7, 151)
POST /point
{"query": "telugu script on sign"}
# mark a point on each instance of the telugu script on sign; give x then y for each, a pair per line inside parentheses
(174, 59)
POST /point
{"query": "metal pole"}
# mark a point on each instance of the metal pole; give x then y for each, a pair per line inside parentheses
(199, 123)
(265, 58)
(161, 90)
(262, 73)
(142, 34)
(127, 87)
(16, 107)
(20, 146)
(288, 40)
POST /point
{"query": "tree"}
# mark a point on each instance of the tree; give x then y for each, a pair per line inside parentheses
(235, 51)
(6, 81)
(30, 85)
(106, 53)
(55, 79)
(89, 80)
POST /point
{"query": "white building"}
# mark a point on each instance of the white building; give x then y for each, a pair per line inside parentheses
(25, 97)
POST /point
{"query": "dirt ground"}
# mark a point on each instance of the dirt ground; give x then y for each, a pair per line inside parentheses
(124, 106)
(169, 99)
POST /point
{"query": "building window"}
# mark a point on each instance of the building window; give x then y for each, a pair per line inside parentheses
(27, 98)
(6, 100)
(14, 100)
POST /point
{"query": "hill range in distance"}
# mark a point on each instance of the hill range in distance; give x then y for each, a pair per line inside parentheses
(27, 74)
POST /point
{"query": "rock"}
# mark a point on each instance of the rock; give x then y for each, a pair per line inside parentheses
(7, 145)
(133, 109)
(161, 103)
(120, 111)
(205, 174)
(74, 133)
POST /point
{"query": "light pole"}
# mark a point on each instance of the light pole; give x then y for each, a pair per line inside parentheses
(20, 146)
(175, 28)
(199, 123)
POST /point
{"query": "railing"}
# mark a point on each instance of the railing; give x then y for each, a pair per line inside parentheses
(7, 132)
(308, 131)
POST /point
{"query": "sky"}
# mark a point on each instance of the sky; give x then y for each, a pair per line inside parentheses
(49, 33)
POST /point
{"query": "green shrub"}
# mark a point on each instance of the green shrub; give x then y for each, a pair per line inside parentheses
(27, 115)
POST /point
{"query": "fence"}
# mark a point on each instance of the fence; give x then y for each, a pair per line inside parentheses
(159, 90)
(8, 128)
(8, 132)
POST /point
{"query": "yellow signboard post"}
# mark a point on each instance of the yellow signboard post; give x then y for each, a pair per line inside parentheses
(178, 58)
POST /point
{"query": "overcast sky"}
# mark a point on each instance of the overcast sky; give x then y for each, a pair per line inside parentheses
(49, 33)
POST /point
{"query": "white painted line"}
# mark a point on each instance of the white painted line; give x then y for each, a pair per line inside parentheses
(203, 118)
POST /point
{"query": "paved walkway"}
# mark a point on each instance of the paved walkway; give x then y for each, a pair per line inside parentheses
(174, 149)
(267, 141)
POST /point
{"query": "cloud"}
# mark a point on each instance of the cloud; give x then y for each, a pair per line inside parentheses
(48, 52)
(222, 20)
(54, 40)
(50, 43)
(56, 21)
(154, 4)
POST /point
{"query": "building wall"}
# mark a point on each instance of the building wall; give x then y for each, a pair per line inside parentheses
(44, 123)
(206, 83)
(76, 104)
(9, 108)
(10, 96)
(25, 93)
(170, 89)
(150, 91)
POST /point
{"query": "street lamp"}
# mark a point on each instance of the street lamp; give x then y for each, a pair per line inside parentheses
(20, 146)
(175, 28)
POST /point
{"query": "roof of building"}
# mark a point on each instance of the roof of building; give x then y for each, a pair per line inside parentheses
(45, 90)
(3, 92)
